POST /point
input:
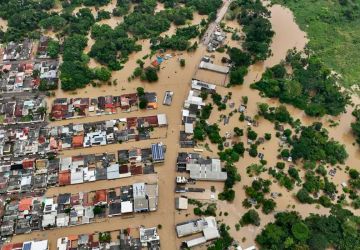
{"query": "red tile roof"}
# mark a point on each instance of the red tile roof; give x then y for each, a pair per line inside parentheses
(25, 204)
(100, 196)
(64, 178)
(77, 141)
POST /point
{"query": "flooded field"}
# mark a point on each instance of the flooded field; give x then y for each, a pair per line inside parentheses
(174, 78)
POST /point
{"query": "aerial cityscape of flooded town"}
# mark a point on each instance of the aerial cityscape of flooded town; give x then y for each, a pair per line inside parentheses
(174, 124)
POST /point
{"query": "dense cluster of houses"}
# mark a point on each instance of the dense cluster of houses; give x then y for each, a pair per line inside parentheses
(21, 72)
(67, 108)
(38, 140)
(22, 109)
(33, 213)
(28, 245)
(34, 176)
(130, 238)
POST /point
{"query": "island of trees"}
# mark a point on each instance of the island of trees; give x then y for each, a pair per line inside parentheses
(310, 87)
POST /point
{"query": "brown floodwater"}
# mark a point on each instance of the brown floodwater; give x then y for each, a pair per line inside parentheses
(173, 77)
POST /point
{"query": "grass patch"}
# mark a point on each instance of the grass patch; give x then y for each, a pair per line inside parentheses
(333, 30)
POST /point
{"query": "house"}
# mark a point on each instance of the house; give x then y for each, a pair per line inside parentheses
(77, 141)
(141, 203)
(25, 204)
(157, 152)
(149, 238)
(114, 209)
(181, 203)
(112, 172)
(206, 225)
(100, 197)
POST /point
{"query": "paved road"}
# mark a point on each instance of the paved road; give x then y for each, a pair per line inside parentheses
(212, 26)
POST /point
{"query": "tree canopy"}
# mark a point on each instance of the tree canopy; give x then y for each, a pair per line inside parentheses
(339, 230)
(310, 87)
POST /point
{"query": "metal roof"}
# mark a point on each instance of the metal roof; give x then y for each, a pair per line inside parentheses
(157, 152)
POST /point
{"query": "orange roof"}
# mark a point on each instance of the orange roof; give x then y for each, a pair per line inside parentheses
(25, 204)
(7, 247)
(152, 105)
(72, 237)
(155, 63)
(64, 178)
(78, 140)
(100, 196)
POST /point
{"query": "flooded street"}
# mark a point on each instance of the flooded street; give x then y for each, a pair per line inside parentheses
(174, 78)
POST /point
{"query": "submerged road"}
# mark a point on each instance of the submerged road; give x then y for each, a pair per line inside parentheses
(212, 26)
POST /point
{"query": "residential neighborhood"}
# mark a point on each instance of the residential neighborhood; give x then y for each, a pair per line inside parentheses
(179, 124)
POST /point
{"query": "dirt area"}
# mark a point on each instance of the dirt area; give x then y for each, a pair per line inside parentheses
(174, 78)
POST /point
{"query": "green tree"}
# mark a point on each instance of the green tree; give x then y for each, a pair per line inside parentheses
(151, 74)
(53, 49)
(237, 75)
(268, 206)
(102, 74)
(250, 217)
(300, 231)
(182, 62)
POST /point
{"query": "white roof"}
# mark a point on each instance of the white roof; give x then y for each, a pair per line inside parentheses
(62, 243)
(25, 180)
(112, 172)
(162, 120)
(77, 177)
(39, 245)
(181, 203)
(185, 112)
(214, 67)
(198, 85)
(126, 207)
(193, 99)
(250, 248)
(48, 220)
(65, 163)
(189, 128)
(211, 233)
(195, 242)
(62, 220)
(207, 172)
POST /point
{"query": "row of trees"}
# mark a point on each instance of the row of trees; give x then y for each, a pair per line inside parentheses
(310, 87)
(339, 230)
(179, 41)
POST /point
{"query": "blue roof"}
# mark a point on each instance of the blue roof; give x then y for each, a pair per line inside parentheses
(160, 59)
(27, 246)
(157, 152)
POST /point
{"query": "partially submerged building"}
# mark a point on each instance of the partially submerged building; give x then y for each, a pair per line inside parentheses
(207, 226)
